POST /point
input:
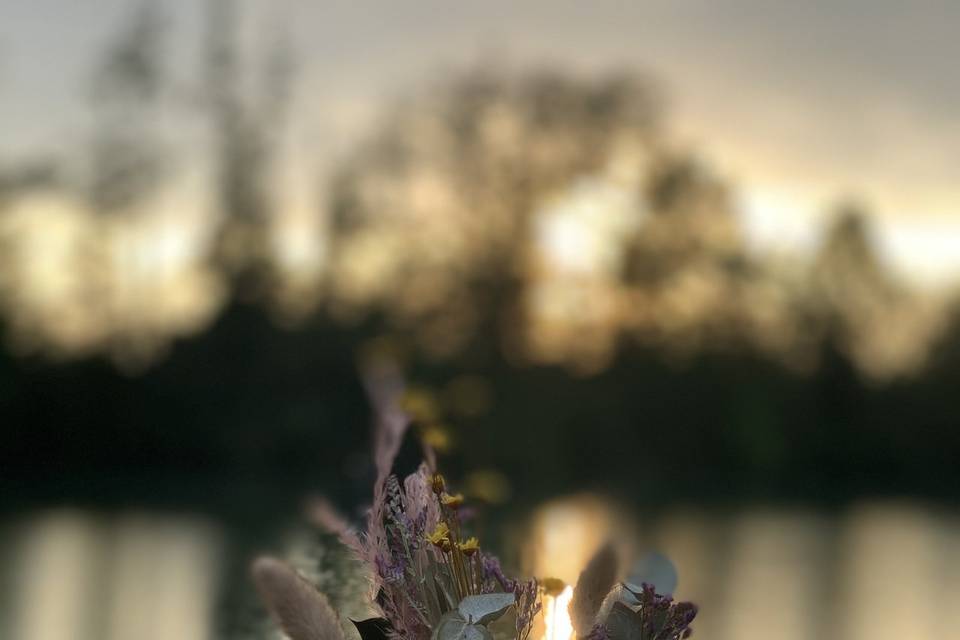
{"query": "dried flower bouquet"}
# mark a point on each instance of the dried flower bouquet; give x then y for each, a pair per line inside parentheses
(432, 581)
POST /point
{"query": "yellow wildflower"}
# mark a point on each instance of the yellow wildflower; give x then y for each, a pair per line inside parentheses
(469, 547)
(453, 502)
(440, 536)
(553, 586)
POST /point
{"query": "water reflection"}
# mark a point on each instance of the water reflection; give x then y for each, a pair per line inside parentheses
(82, 577)
(877, 570)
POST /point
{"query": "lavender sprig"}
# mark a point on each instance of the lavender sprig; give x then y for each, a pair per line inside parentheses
(656, 617)
(528, 605)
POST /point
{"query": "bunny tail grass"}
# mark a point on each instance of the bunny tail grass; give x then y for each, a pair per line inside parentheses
(322, 513)
(593, 585)
(295, 605)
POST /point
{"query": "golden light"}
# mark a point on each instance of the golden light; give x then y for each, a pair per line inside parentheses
(563, 536)
(565, 533)
(556, 615)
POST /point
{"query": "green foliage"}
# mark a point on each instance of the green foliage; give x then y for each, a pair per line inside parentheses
(485, 608)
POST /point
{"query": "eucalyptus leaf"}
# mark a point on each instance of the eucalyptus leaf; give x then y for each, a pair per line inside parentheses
(624, 623)
(504, 628)
(629, 594)
(485, 608)
(452, 626)
(476, 632)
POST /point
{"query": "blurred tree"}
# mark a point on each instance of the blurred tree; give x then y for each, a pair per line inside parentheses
(691, 218)
(129, 165)
(16, 180)
(474, 213)
(848, 264)
(246, 133)
(127, 157)
(687, 269)
(433, 222)
(542, 216)
(858, 306)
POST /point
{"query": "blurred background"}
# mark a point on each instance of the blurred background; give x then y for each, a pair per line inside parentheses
(688, 271)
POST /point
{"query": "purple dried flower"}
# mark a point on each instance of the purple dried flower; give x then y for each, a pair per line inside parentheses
(658, 616)
(527, 592)
(391, 570)
(493, 576)
(421, 503)
(527, 604)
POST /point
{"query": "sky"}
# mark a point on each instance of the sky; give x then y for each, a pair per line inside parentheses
(799, 104)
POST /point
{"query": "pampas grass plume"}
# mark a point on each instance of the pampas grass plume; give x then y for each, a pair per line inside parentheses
(593, 585)
(295, 605)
